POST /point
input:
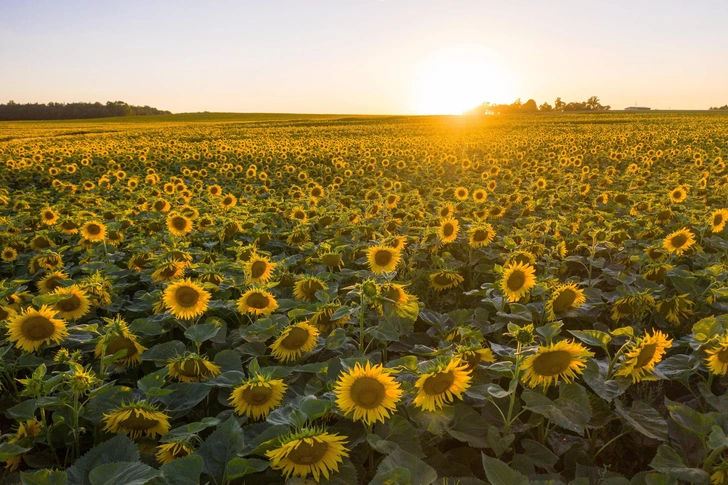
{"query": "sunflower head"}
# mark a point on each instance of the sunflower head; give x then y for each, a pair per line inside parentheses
(642, 355)
(137, 419)
(718, 220)
(309, 451)
(294, 341)
(74, 302)
(445, 279)
(679, 241)
(32, 328)
(517, 280)
(717, 357)
(258, 396)
(306, 287)
(192, 368)
(117, 337)
(448, 230)
(259, 269)
(369, 393)
(443, 382)
(186, 299)
(565, 297)
(563, 360)
(93, 231)
(168, 452)
(257, 301)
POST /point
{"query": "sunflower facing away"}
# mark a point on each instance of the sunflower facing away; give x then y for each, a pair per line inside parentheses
(74, 303)
(168, 452)
(305, 288)
(310, 451)
(679, 241)
(192, 368)
(32, 328)
(642, 356)
(442, 385)
(382, 258)
(51, 281)
(259, 269)
(717, 359)
(257, 302)
(562, 360)
(258, 396)
(186, 299)
(448, 230)
(518, 279)
(368, 392)
(117, 337)
(137, 419)
(565, 297)
(93, 231)
(294, 341)
(445, 279)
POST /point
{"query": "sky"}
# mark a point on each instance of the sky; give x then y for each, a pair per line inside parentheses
(363, 56)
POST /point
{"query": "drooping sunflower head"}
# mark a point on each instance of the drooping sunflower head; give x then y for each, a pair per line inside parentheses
(445, 279)
(52, 281)
(259, 269)
(481, 235)
(93, 231)
(332, 259)
(369, 393)
(642, 356)
(32, 328)
(192, 368)
(257, 301)
(717, 357)
(474, 354)
(168, 270)
(258, 396)
(383, 259)
(439, 386)
(562, 360)
(517, 280)
(116, 337)
(186, 299)
(168, 452)
(679, 241)
(565, 297)
(310, 451)
(306, 287)
(294, 341)
(323, 321)
(394, 293)
(74, 302)
(137, 419)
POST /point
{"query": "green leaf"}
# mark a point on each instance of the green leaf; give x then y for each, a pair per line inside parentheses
(183, 471)
(9, 450)
(165, 351)
(499, 443)
(498, 473)
(123, 473)
(607, 390)
(201, 333)
(592, 337)
(44, 477)
(670, 462)
(469, 426)
(23, 411)
(540, 455)
(690, 419)
(707, 328)
(119, 448)
(395, 476)
(644, 419)
(420, 472)
(220, 447)
(571, 410)
(717, 438)
(239, 467)
(185, 396)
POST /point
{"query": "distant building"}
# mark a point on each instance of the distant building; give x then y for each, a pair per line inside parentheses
(637, 108)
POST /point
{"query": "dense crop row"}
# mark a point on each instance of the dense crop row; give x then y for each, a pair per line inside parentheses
(405, 300)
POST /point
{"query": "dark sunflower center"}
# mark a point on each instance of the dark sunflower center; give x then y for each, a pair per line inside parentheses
(257, 395)
(310, 287)
(565, 299)
(42, 243)
(258, 269)
(259, 301)
(159, 205)
(723, 356)
(679, 240)
(307, 454)
(480, 235)
(367, 392)
(438, 383)
(516, 280)
(448, 229)
(138, 422)
(442, 279)
(121, 343)
(191, 368)
(718, 220)
(552, 363)
(625, 308)
(331, 260)
(382, 257)
(69, 304)
(37, 328)
(179, 223)
(394, 294)
(186, 296)
(169, 271)
(295, 339)
(646, 355)
(227, 201)
(93, 229)
(4, 314)
(49, 215)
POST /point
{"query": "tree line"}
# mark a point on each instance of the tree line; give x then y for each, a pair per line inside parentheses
(530, 106)
(716, 108)
(13, 111)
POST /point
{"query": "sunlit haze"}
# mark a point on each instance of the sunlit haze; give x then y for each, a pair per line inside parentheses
(364, 56)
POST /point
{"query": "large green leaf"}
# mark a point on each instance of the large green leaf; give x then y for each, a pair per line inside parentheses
(119, 448)
(220, 447)
(571, 410)
(690, 419)
(644, 419)
(123, 473)
(498, 473)
(420, 472)
(183, 471)
(670, 462)
(44, 477)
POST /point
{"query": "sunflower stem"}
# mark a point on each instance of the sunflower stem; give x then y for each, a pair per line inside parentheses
(361, 322)
(512, 397)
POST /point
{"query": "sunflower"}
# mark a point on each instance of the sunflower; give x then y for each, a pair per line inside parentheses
(473, 355)
(32, 328)
(48, 216)
(562, 360)
(178, 224)
(565, 297)
(117, 337)
(257, 302)
(448, 230)
(383, 259)
(678, 194)
(322, 318)
(442, 385)
(258, 396)
(214, 190)
(305, 288)
(632, 306)
(370, 393)
(675, 309)
(6, 313)
(186, 299)
(518, 279)
(168, 452)
(718, 220)
(259, 269)
(294, 341)
(136, 419)
(445, 279)
(394, 293)
(168, 271)
(717, 359)
(93, 231)
(228, 201)
(74, 304)
(678, 241)
(192, 368)
(9, 254)
(332, 259)
(310, 451)
(481, 235)
(642, 356)
(31, 427)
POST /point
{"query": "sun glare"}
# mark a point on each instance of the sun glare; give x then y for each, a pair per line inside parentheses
(456, 79)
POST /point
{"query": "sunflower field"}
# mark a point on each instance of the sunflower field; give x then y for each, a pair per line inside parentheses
(405, 300)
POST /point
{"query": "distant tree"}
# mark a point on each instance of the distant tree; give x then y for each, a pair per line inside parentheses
(529, 106)
(545, 107)
(62, 111)
(559, 105)
(716, 108)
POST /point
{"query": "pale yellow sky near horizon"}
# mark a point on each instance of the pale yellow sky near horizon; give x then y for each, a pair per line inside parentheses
(364, 56)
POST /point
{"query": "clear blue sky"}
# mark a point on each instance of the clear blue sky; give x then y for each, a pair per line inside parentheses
(363, 56)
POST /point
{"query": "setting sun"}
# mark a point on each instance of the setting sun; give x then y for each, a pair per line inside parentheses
(455, 79)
